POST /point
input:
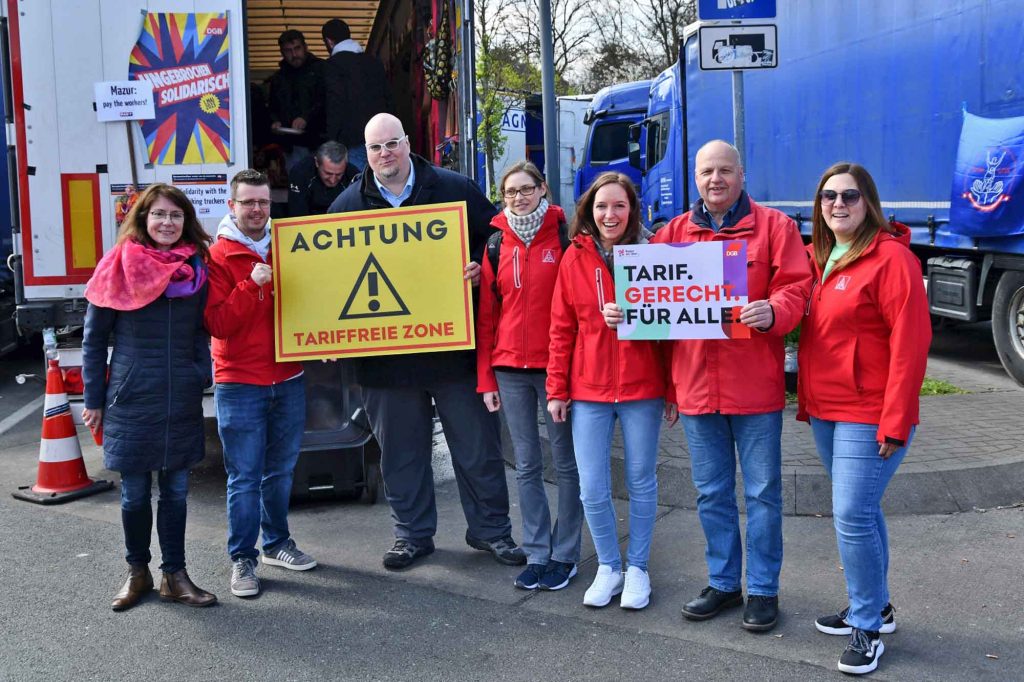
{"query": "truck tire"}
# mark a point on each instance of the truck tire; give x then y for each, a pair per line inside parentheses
(1008, 323)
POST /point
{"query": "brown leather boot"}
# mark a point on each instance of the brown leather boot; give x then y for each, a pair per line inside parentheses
(139, 582)
(179, 587)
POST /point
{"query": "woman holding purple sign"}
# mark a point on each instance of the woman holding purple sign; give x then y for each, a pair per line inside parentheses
(146, 299)
(605, 379)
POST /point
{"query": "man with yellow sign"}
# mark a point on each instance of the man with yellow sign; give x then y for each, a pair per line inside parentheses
(399, 383)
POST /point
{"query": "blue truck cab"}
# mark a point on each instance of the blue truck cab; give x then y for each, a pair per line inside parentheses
(612, 112)
(887, 87)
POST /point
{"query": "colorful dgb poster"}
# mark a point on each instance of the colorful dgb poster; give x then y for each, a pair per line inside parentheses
(185, 57)
(682, 291)
(379, 282)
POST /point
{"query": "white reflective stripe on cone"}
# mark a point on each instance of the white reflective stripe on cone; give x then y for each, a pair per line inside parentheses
(59, 449)
(54, 400)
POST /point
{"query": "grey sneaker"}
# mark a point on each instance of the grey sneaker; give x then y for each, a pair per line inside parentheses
(289, 556)
(244, 582)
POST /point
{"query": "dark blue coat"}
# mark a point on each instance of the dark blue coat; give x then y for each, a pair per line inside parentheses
(152, 400)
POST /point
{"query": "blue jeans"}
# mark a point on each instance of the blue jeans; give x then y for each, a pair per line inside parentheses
(261, 430)
(592, 427)
(859, 476)
(715, 440)
(521, 394)
(137, 517)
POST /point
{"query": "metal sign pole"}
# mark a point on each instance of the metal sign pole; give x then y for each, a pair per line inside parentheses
(547, 71)
(739, 132)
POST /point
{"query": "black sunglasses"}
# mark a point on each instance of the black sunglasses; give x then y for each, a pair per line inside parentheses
(850, 196)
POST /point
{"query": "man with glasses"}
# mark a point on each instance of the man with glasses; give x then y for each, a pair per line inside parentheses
(731, 392)
(398, 389)
(261, 403)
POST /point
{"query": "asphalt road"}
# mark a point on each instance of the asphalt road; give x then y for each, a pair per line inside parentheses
(956, 581)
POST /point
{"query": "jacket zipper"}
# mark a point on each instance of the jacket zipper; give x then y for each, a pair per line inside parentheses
(599, 281)
(517, 279)
(167, 421)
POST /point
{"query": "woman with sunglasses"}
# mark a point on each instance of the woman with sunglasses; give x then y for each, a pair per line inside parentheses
(863, 349)
(512, 354)
(606, 379)
(146, 300)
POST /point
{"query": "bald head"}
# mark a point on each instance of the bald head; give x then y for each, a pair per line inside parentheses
(383, 124)
(718, 173)
(391, 167)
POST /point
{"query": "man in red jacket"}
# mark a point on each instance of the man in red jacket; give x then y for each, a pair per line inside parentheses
(731, 392)
(261, 403)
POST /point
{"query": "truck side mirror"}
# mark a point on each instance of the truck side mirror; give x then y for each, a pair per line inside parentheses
(634, 147)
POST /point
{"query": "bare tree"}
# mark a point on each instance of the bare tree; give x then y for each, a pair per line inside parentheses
(571, 24)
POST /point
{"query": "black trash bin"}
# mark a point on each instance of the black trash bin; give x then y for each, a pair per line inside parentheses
(339, 458)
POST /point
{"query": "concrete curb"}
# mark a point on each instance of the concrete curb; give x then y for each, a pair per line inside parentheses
(808, 492)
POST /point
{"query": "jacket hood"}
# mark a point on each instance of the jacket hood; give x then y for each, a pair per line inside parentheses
(227, 229)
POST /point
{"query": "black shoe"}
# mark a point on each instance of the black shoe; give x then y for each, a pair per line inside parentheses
(862, 653)
(404, 553)
(761, 613)
(835, 624)
(504, 550)
(710, 602)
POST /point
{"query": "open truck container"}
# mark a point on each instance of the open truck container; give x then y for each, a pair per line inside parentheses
(68, 170)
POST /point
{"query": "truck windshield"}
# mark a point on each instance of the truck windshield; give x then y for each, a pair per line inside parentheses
(609, 142)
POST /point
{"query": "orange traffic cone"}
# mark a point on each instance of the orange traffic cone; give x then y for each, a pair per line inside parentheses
(61, 476)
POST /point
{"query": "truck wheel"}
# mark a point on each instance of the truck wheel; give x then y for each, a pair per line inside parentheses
(372, 483)
(1008, 323)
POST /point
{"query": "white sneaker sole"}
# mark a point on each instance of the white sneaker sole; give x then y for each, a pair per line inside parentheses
(270, 561)
(886, 629)
(635, 606)
(864, 669)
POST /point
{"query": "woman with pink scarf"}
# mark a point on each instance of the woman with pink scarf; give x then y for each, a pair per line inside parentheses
(146, 300)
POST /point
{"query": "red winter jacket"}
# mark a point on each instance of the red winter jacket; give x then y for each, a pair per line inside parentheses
(864, 342)
(512, 325)
(743, 376)
(586, 360)
(240, 318)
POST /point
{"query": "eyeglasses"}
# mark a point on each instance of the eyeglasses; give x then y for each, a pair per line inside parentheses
(390, 145)
(249, 203)
(829, 196)
(177, 216)
(525, 190)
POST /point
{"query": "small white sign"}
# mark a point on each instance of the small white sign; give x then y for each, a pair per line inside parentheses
(208, 193)
(124, 101)
(738, 47)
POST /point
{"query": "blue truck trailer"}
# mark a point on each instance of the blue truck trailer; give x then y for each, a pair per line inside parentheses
(883, 84)
(612, 111)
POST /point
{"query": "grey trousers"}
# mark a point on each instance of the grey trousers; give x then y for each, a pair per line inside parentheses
(521, 393)
(402, 421)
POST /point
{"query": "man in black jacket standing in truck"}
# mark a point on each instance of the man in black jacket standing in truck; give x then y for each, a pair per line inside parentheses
(356, 87)
(398, 389)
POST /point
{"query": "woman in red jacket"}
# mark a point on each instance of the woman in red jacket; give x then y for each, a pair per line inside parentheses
(863, 351)
(605, 379)
(512, 354)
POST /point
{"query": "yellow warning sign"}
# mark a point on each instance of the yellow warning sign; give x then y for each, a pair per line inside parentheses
(376, 282)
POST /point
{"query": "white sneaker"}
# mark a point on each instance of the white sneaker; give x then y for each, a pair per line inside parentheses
(636, 593)
(607, 583)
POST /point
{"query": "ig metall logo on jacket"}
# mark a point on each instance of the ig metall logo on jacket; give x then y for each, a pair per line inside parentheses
(380, 282)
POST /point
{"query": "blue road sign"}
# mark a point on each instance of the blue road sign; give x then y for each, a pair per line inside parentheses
(720, 10)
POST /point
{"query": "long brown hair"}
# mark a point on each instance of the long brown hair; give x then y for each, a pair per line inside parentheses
(874, 220)
(530, 169)
(134, 225)
(583, 221)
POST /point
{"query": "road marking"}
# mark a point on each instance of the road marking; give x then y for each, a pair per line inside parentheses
(11, 421)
